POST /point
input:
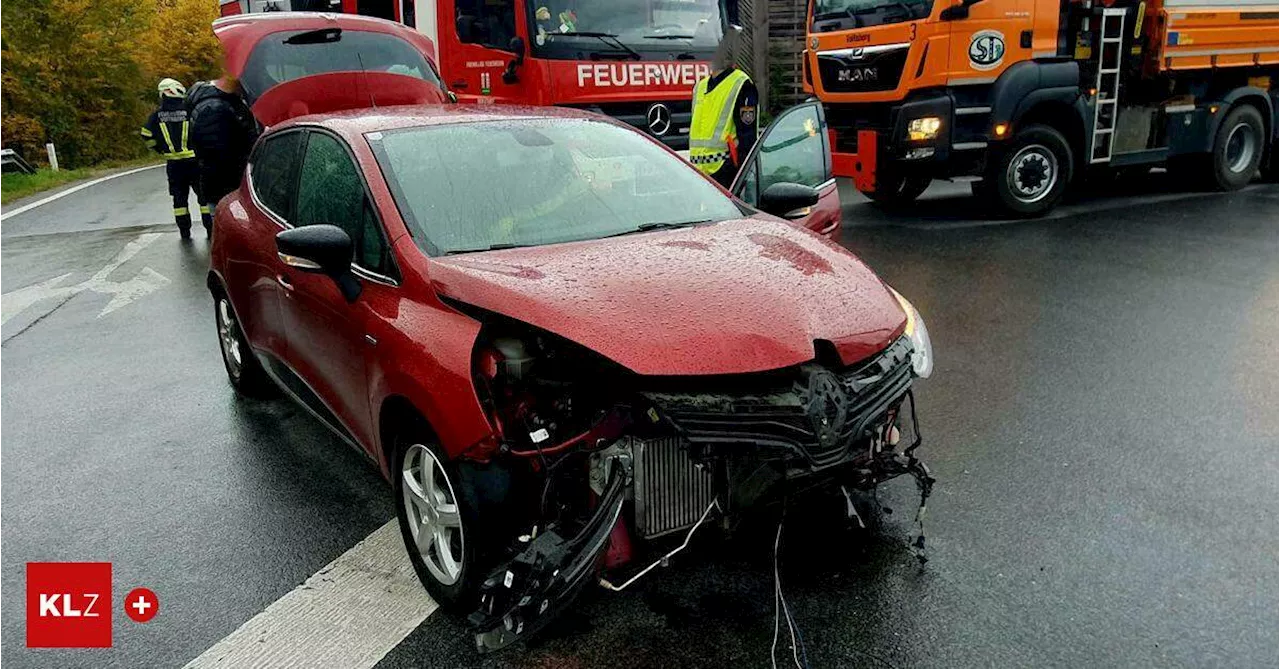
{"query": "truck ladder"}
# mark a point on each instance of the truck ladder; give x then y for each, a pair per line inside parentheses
(1105, 109)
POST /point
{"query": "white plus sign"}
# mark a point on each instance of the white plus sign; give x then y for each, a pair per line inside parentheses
(142, 605)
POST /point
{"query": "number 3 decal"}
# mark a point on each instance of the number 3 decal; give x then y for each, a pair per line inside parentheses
(913, 32)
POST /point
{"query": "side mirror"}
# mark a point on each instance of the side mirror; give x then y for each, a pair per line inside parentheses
(320, 249)
(956, 12)
(788, 200)
(516, 46)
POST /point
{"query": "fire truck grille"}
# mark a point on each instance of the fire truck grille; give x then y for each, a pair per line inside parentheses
(862, 73)
(670, 491)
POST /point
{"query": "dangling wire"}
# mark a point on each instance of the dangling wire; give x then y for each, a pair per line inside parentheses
(780, 604)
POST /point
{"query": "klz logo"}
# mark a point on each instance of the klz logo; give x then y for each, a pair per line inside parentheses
(858, 74)
(986, 49)
(68, 604)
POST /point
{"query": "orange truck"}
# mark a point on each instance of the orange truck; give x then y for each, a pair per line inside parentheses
(1023, 96)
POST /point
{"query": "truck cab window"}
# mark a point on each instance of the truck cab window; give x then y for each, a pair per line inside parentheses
(490, 23)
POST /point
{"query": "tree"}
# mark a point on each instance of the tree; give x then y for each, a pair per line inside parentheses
(82, 73)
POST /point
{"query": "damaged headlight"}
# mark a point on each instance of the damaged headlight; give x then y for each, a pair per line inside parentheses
(922, 348)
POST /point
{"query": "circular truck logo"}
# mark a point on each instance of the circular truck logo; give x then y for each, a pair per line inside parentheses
(986, 49)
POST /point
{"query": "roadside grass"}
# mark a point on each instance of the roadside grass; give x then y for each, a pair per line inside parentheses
(15, 185)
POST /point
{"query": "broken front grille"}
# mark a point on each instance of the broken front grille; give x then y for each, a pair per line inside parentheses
(818, 413)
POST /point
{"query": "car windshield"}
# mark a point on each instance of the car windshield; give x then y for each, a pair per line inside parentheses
(498, 184)
(289, 55)
(639, 24)
(861, 13)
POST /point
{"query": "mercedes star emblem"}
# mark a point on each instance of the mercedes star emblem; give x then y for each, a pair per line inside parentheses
(659, 119)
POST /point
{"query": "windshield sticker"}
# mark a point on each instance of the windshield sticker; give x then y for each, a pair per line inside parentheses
(986, 49)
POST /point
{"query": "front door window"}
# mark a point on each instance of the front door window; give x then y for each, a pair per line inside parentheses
(793, 149)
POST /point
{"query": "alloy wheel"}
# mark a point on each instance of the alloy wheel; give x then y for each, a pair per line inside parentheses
(229, 337)
(431, 507)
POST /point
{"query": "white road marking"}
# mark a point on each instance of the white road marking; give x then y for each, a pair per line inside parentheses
(74, 189)
(122, 292)
(349, 614)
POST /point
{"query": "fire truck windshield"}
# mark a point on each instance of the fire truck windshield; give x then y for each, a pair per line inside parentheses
(845, 14)
(649, 29)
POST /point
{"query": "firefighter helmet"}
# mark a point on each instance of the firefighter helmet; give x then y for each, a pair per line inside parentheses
(172, 88)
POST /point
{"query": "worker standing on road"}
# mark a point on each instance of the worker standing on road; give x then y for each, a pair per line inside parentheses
(223, 131)
(167, 132)
(724, 113)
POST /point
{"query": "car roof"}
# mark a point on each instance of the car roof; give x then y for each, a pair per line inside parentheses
(353, 123)
(240, 33)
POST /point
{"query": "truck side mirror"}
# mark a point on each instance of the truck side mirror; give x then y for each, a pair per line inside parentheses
(516, 46)
(960, 11)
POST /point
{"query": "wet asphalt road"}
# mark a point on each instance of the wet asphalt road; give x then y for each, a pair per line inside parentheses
(1102, 422)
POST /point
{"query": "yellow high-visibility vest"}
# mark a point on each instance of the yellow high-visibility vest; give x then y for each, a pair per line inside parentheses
(712, 129)
(179, 151)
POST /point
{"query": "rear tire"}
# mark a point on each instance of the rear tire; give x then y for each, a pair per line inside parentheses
(1029, 175)
(899, 190)
(243, 369)
(441, 528)
(1238, 148)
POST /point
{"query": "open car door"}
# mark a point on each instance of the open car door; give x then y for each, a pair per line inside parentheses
(794, 149)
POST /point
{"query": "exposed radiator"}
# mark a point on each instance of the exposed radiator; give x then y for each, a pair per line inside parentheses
(670, 492)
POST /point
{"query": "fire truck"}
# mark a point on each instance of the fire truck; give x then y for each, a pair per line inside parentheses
(635, 60)
(1021, 97)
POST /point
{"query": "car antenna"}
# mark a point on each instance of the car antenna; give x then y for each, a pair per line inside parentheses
(364, 76)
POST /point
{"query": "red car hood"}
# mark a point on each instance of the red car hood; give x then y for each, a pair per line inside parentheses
(733, 297)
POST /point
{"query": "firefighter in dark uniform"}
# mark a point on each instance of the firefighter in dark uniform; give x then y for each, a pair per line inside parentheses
(223, 131)
(168, 132)
(725, 107)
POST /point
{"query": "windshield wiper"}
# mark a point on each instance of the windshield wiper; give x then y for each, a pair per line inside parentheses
(668, 36)
(608, 38)
(650, 227)
(492, 247)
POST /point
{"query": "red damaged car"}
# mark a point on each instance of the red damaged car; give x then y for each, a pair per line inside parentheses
(557, 339)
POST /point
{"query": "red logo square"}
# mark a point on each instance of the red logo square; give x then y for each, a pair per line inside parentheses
(69, 605)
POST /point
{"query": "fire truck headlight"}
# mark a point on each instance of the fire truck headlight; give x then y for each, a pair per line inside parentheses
(920, 129)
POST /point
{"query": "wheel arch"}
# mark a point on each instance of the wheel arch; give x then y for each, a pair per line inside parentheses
(214, 283)
(394, 413)
(1057, 112)
(1250, 95)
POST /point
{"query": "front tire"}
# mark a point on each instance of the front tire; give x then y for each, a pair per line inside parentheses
(439, 526)
(1029, 175)
(243, 369)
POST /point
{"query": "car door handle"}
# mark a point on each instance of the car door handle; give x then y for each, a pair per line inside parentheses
(284, 282)
(461, 83)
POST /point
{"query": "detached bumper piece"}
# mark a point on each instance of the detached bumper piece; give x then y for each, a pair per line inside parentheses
(522, 596)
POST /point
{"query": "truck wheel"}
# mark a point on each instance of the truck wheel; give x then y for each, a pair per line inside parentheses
(898, 190)
(1029, 175)
(1237, 148)
(441, 528)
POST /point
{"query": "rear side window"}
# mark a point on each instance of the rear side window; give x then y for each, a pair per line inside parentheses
(274, 169)
(289, 55)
